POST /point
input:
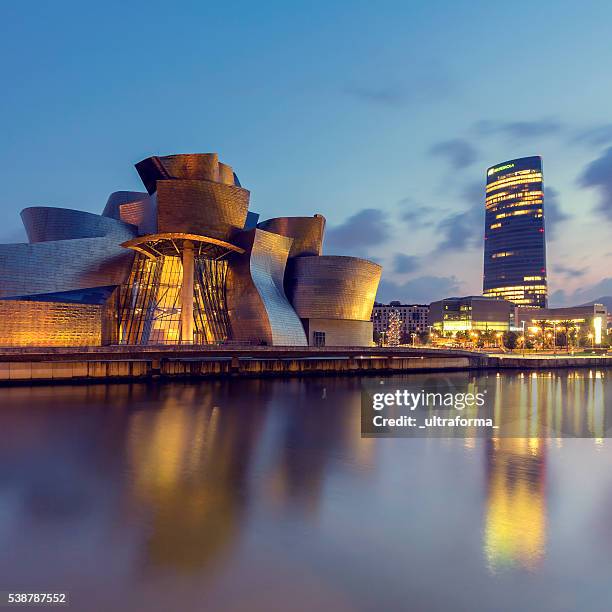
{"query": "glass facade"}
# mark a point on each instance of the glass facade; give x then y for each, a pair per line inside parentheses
(515, 245)
(471, 313)
(150, 302)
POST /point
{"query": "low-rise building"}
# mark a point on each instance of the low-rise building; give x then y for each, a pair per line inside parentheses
(588, 319)
(471, 313)
(414, 318)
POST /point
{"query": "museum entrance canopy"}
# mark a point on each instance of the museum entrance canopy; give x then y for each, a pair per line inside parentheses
(176, 291)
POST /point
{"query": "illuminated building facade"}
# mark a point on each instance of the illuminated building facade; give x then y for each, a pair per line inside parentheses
(414, 318)
(471, 313)
(515, 245)
(183, 263)
(588, 319)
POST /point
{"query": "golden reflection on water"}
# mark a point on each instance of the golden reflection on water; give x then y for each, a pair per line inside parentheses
(193, 459)
(187, 460)
(515, 523)
(516, 513)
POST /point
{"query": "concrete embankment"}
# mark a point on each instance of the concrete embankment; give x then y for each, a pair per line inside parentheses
(26, 366)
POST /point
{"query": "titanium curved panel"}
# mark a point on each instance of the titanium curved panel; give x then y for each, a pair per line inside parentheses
(307, 233)
(45, 223)
(194, 166)
(118, 198)
(67, 264)
(201, 207)
(189, 166)
(332, 287)
(257, 304)
(226, 174)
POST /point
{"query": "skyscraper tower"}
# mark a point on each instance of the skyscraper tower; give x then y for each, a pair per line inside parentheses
(514, 242)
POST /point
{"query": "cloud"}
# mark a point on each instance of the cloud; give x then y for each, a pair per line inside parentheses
(403, 263)
(385, 95)
(367, 228)
(568, 271)
(596, 136)
(474, 192)
(552, 211)
(458, 152)
(583, 295)
(415, 214)
(598, 175)
(518, 129)
(421, 290)
(417, 88)
(462, 230)
(557, 298)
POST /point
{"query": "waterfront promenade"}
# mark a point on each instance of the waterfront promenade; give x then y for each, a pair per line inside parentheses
(94, 364)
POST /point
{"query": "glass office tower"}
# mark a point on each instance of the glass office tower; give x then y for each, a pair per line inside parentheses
(515, 246)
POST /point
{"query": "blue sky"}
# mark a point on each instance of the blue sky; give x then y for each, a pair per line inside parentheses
(381, 116)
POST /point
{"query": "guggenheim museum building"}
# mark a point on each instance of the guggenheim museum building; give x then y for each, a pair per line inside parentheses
(183, 262)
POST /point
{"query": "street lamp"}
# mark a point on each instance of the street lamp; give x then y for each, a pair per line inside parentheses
(591, 337)
(473, 336)
(523, 324)
(536, 331)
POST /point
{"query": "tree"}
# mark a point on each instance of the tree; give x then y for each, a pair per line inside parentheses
(510, 340)
(543, 326)
(423, 337)
(568, 327)
(394, 329)
(463, 336)
(487, 337)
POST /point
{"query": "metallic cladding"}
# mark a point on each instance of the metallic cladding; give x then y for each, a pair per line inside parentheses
(44, 224)
(50, 324)
(134, 207)
(117, 198)
(307, 233)
(258, 307)
(67, 264)
(68, 275)
(332, 287)
(190, 166)
(201, 207)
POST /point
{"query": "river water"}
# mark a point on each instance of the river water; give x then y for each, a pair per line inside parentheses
(262, 495)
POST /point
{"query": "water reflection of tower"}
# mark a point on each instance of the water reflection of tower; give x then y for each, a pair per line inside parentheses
(515, 527)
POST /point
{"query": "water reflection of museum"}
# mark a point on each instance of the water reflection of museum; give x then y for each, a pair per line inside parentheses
(193, 461)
